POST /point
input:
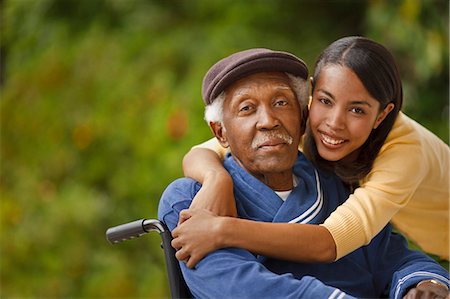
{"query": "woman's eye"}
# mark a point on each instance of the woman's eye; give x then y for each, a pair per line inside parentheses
(357, 110)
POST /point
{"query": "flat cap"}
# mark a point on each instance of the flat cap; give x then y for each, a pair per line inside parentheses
(245, 63)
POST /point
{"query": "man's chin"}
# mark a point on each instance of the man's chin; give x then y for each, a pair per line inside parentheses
(272, 164)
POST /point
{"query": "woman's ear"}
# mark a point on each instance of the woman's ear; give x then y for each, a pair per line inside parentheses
(383, 115)
(220, 132)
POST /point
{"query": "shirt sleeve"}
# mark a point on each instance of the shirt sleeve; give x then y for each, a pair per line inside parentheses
(398, 268)
(232, 272)
(395, 176)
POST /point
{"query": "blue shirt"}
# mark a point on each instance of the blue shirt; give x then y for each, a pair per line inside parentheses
(385, 266)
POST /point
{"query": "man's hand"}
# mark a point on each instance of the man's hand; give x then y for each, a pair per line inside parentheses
(428, 289)
(199, 234)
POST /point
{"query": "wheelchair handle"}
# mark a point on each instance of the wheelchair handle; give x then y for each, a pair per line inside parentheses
(133, 230)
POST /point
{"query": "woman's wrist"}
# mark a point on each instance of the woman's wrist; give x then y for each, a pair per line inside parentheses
(222, 231)
(216, 194)
(216, 176)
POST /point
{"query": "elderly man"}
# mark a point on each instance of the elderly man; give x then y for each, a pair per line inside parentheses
(255, 100)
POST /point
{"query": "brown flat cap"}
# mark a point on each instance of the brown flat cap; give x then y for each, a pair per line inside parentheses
(245, 63)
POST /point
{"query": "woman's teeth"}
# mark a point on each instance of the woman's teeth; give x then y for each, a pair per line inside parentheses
(332, 141)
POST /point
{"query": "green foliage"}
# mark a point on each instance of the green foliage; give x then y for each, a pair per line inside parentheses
(101, 99)
(416, 31)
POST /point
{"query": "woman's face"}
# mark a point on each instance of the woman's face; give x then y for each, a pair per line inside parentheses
(342, 113)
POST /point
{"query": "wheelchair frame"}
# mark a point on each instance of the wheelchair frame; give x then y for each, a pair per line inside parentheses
(134, 229)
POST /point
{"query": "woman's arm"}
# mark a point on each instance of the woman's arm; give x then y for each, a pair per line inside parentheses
(308, 243)
(203, 232)
(388, 188)
(205, 166)
(204, 159)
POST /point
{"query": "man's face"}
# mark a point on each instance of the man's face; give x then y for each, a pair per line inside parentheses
(261, 123)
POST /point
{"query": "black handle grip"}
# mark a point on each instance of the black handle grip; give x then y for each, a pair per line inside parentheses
(126, 231)
(178, 287)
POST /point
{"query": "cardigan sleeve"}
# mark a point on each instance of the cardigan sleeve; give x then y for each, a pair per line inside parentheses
(396, 268)
(214, 145)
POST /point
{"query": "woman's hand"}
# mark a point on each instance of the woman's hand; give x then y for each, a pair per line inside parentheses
(199, 234)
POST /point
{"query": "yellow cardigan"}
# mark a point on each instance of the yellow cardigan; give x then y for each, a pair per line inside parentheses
(408, 185)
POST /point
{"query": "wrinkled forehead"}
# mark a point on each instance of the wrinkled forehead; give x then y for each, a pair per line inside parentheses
(270, 81)
(273, 86)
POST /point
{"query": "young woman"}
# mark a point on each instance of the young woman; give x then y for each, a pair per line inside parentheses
(397, 169)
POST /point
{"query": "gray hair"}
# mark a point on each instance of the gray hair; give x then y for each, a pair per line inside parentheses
(214, 111)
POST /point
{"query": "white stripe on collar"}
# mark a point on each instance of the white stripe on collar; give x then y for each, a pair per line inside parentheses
(315, 208)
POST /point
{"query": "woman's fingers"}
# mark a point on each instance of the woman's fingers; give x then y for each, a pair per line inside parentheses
(182, 255)
(185, 255)
(184, 215)
(176, 244)
(192, 262)
(193, 238)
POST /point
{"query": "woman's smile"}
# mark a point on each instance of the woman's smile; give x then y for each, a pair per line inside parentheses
(342, 113)
(329, 140)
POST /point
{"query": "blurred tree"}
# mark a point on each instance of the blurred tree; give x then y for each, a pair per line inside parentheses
(416, 32)
(101, 99)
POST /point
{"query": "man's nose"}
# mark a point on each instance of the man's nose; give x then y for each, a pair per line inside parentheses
(267, 119)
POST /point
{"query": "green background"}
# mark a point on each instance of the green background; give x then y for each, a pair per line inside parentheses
(101, 99)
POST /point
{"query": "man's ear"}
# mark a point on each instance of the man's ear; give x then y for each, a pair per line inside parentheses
(220, 132)
(304, 119)
(311, 88)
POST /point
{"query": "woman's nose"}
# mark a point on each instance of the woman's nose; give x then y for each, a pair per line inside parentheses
(335, 120)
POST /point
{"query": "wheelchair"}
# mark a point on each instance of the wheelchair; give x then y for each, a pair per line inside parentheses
(134, 229)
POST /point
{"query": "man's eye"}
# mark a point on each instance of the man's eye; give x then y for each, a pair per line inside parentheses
(325, 101)
(281, 102)
(245, 108)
